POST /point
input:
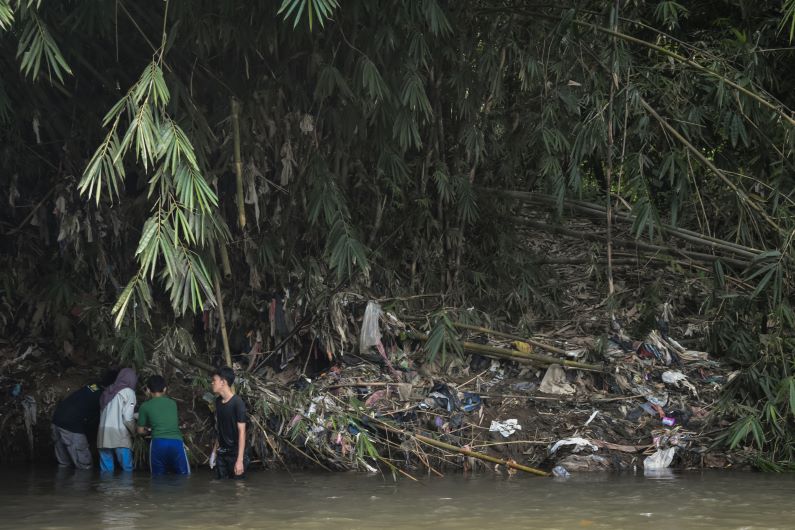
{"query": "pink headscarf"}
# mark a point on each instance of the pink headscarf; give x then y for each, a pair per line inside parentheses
(127, 378)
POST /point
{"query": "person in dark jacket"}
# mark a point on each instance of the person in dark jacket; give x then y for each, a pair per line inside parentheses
(76, 417)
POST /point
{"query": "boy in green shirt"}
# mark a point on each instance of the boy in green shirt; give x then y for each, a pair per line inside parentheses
(158, 415)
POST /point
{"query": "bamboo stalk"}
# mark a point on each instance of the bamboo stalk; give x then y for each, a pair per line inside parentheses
(195, 362)
(696, 237)
(241, 208)
(609, 173)
(222, 317)
(225, 264)
(597, 210)
(517, 355)
(479, 329)
(480, 456)
(461, 450)
(707, 162)
(695, 256)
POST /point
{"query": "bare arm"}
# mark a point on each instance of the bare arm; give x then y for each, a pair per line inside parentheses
(241, 447)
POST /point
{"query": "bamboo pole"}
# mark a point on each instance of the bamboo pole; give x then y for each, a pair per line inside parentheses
(712, 167)
(225, 261)
(635, 244)
(222, 317)
(467, 452)
(241, 208)
(195, 362)
(541, 345)
(598, 210)
(481, 456)
(517, 355)
(609, 173)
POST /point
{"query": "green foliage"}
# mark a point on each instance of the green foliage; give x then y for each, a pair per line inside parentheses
(371, 149)
(315, 9)
(788, 18)
(6, 15)
(443, 339)
(132, 350)
(36, 43)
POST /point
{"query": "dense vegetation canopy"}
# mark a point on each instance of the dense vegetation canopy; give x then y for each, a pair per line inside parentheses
(156, 155)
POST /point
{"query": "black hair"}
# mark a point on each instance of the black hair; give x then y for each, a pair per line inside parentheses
(109, 377)
(156, 383)
(225, 373)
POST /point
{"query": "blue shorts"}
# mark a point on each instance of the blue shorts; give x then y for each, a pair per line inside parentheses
(168, 456)
(106, 459)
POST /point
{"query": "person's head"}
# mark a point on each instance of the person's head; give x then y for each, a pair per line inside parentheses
(126, 378)
(156, 384)
(223, 378)
(109, 377)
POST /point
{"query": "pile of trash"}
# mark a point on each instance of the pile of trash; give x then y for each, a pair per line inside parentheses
(508, 403)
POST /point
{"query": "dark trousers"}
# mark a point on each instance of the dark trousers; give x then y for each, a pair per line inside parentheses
(225, 464)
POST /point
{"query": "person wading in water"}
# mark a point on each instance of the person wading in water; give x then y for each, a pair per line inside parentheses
(231, 457)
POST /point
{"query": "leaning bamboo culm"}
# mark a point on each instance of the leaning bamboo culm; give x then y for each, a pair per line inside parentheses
(467, 452)
(515, 355)
(480, 456)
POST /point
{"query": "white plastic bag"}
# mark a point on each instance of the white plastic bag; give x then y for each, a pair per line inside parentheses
(555, 382)
(578, 443)
(659, 460)
(371, 334)
(505, 428)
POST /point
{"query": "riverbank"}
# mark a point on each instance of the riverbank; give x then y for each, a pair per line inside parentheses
(648, 403)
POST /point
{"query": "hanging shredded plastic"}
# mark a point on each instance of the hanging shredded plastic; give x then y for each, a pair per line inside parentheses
(371, 334)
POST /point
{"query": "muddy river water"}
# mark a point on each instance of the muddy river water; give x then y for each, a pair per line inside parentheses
(49, 498)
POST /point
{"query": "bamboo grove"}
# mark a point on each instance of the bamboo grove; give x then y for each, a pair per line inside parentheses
(156, 155)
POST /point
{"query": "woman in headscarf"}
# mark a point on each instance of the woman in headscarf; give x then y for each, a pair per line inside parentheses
(117, 422)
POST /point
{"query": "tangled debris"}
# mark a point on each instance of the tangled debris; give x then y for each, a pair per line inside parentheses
(505, 403)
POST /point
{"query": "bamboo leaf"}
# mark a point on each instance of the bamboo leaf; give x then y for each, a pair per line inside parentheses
(6, 15)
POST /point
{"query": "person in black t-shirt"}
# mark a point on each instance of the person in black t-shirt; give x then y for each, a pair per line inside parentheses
(76, 417)
(230, 455)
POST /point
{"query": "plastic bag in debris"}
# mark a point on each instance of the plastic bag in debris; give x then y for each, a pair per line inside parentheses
(655, 348)
(560, 472)
(524, 386)
(443, 397)
(470, 402)
(577, 463)
(554, 382)
(660, 460)
(371, 334)
(673, 377)
(638, 412)
(578, 443)
(659, 399)
(505, 428)
(692, 355)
